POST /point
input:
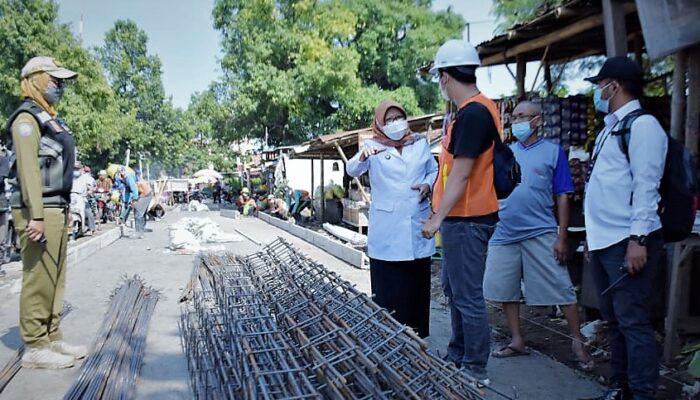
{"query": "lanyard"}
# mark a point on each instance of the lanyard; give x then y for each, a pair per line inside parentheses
(596, 153)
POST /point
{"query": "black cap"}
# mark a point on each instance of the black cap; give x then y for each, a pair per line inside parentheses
(619, 68)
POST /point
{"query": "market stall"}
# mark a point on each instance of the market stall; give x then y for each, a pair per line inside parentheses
(582, 28)
(355, 205)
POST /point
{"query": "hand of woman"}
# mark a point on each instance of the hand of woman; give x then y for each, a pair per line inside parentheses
(369, 151)
(423, 189)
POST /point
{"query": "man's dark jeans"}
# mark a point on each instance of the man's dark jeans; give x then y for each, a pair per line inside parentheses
(464, 246)
(626, 309)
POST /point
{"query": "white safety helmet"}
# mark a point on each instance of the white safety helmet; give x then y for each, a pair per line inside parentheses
(455, 53)
(102, 173)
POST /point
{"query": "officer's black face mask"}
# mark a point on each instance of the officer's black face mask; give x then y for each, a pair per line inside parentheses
(54, 92)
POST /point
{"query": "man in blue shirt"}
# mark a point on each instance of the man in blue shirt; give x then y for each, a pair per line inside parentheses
(131, 194)
(526, 244)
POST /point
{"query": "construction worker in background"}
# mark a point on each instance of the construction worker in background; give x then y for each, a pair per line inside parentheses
(131, 192)
(278, 207)
(465, 204)
(142, 204)
(41, 172)
(246, 204)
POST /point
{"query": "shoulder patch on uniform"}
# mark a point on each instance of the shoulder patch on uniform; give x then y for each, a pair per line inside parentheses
(24, 129)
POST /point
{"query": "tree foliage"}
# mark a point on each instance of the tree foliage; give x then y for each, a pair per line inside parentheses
(300, 68)
(159, 129)
(512, 12)
(29, 28)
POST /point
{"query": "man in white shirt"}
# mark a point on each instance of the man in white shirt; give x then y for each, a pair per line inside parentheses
(624, 238)
(84, 184)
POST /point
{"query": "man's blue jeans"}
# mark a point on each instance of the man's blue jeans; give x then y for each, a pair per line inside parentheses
(464, 246)
(634, 358)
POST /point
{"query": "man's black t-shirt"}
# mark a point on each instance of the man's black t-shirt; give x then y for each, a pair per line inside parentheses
(473, 131)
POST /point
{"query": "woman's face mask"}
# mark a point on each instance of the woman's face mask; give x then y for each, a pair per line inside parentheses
(54, 92)
(395, 130)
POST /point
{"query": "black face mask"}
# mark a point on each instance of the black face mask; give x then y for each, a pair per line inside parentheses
(53, 94)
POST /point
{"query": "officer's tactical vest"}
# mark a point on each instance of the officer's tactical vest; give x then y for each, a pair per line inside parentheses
(56, 158)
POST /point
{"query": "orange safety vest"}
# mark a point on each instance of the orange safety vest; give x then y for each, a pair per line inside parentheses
(479, 197)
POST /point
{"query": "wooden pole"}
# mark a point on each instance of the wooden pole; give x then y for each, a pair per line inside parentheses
(520, 75)
(678, 95)
(548, 77)
(323, 191)
(615, 28)
(542, 63)
(357, 180)
(313, 188)
(638, 48)
(692, 123)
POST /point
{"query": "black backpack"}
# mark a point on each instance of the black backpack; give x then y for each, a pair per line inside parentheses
(678, 188)
(506, 170)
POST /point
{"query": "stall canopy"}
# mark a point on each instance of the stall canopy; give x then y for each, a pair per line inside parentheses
(350, 141)
(567, 32)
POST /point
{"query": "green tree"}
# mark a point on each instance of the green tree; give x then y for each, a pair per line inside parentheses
(29, 28)
(512, 12)
(136, 78)
(300, 68)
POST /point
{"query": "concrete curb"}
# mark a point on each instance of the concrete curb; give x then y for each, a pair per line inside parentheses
(354, 257)
(84, 250)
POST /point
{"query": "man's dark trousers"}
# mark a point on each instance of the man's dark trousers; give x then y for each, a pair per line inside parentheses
(634, 358)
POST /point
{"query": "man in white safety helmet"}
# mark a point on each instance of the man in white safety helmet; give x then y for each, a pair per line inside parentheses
(465, 204)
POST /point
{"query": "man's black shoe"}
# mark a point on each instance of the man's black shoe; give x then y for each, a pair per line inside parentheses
(614, 394)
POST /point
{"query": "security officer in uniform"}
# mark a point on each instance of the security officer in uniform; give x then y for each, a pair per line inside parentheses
(41, 172)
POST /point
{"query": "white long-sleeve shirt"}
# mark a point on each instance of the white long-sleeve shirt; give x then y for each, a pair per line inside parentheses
(615, 182)
(394, 232)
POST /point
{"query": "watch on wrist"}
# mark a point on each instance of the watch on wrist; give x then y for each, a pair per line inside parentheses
(640, 239)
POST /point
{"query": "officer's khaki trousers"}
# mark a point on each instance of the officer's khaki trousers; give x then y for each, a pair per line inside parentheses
(43, 278)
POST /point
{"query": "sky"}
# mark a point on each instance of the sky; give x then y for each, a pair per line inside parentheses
(181, 33)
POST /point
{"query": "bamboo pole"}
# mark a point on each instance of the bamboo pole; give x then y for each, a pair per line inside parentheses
(356, 179)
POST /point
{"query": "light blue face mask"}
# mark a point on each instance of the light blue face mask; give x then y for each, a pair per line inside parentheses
(601, 104)
(521, 130)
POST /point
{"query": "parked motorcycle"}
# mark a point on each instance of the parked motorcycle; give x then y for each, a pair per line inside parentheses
(10, 246)
(77, 211)
(105, 208)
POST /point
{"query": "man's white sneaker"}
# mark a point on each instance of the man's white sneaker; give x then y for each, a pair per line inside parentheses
(66, 349)
(46, 358)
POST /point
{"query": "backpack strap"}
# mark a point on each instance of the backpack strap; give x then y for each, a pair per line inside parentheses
(624, 130)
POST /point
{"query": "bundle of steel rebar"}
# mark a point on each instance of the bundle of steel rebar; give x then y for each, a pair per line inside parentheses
(258, 323)
(15, 364)
(114, 361)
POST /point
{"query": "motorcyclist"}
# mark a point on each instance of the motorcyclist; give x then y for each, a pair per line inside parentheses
(82, 186)
(103, 182)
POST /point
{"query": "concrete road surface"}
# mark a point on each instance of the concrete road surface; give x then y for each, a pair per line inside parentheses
(164, 373)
